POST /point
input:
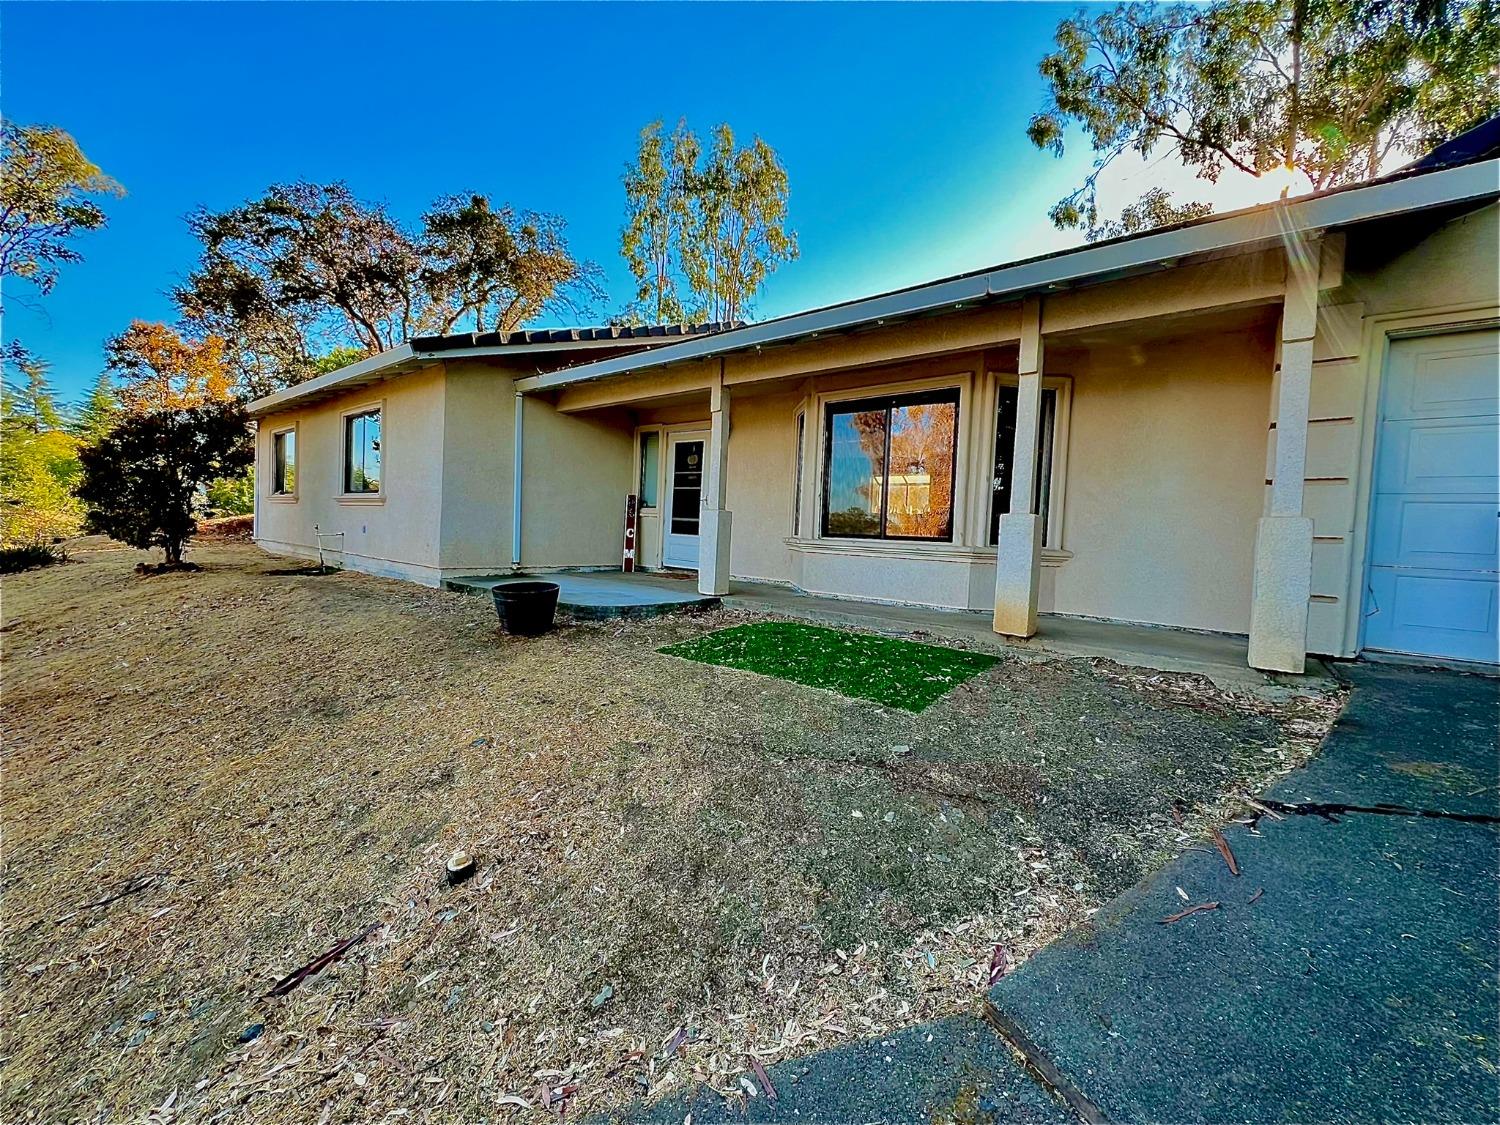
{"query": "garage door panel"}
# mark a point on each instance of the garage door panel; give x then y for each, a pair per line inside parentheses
(1438, 534)
(1439, 457)
(1432, 585)
(1434, 614)
(1428, 378)
(1460, 382)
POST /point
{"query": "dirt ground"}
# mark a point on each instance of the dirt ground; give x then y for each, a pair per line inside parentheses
(681, 866)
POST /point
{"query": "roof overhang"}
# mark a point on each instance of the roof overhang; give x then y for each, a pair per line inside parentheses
(1239, 231)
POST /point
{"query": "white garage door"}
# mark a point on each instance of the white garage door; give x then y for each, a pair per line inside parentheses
(1434, 566)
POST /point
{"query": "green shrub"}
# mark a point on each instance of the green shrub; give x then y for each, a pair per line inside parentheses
(140, 481)
(232, 496)
(13, 560)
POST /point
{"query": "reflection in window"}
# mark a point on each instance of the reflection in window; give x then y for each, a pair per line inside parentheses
(284, 475)
(890, 467)
(1005, 444)
(650, 467)
(362, 452)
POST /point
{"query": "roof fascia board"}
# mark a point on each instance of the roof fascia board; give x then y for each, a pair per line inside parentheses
(331, 380)
(1243, 229)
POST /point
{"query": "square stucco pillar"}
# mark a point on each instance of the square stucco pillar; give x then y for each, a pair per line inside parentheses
(1018, 557)
(1282, 589)
(714, 521)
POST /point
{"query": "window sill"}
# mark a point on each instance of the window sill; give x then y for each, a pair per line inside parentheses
(913, 549)
(282, 498)
(888, 548)
(356, 498)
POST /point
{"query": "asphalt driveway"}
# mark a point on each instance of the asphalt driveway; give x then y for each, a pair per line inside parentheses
(1348, 972)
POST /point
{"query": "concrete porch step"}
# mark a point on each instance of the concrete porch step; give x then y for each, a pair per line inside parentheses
(594, 597)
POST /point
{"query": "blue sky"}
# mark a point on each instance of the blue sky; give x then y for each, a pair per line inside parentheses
(901, 126)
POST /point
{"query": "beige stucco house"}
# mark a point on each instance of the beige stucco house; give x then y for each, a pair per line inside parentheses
(1278, 423)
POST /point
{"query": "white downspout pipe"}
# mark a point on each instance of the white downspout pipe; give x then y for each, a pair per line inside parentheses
(515, 503)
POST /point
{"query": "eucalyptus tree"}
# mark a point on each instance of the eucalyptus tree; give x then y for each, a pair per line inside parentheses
(1334, 89)
(48, 191)
(705, 225)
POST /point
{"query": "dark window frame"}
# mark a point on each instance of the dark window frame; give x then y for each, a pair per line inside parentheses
(952, 394)
(377, 412)
(1044, 478)
(279, 462)
(801, 457)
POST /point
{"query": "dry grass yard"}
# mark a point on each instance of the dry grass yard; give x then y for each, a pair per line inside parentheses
(212, 778)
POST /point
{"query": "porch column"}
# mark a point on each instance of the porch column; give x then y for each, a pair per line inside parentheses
(1284, 537)
(1018, 558)
(713, 525)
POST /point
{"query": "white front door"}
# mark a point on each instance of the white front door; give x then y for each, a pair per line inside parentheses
(1433, 586)
(684, 504)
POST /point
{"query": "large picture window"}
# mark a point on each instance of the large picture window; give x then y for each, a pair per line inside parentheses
(362, 452)
(889, 466)
(1005, 444)
(284, 474)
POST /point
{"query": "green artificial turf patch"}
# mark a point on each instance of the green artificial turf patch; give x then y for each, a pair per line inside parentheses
(895, 673)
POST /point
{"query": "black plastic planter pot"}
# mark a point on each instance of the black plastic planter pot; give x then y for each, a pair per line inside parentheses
(526, 609)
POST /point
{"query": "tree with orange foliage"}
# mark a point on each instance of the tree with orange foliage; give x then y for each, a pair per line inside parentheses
(921, 471)
(159, 370)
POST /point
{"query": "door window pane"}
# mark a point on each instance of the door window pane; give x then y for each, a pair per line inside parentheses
(362, 452)
(919, 486)
(1005, 444)
(284, 481)
(650, 467)
(889, 467)
(687, 486)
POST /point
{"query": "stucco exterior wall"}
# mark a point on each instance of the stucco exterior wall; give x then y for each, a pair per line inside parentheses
(478, 468)
(576, 474)
(761, 487)
(395, 534)
(1164, 484)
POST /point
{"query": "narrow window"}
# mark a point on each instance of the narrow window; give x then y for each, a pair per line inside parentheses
(650, 467)
(284, 475)
(797, 496)
(890, 464)
(1005, 444)
(362, 452)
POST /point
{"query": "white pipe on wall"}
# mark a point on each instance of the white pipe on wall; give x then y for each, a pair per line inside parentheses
(515, 503)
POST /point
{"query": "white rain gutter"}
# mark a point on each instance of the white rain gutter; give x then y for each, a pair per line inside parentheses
(1265, 224)
(516, 492)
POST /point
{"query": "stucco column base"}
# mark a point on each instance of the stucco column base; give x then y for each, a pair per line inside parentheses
(1283, 588)
(713, 552)
(1018, 572)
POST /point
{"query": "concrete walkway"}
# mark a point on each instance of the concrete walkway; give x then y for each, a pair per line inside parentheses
(1348, 974)
(1218, 656)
